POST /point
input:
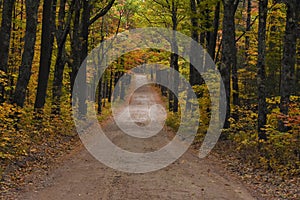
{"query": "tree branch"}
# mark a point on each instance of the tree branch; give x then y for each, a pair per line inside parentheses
(102, 12)
(250, 25)
(62, 39)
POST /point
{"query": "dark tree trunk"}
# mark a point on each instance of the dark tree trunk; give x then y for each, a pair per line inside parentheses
(202, 38)
(229, 54)
(60, 63)
(13, 52)
(101, 84)
(80, 44)
(123, 86)
(84, 34)
(214, 33)
(248, 28)
(234, 76)
(116, 91)
(99, 100)
(48, 29)
(289, 59)
(195, 36)
(261, 73)
(173, 100)
(27, 57)
(208, 25)
(76, 46)
(100, 61)
(61, 36)
(5, 34)
(105, 91)
(110, 85)
(58, 81)
(174, 64)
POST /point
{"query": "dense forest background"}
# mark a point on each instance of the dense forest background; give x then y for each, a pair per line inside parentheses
(254, 43)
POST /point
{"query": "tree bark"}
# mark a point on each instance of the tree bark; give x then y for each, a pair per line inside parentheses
(76, 46)
(63, 29)
(27, 57)
(229, 58)
(80, 43)
(289, 59)
(48, 29)
(58, 81)
(248, 28)
(173, 100)
(214, 33)
(194, 79)
(84, 36)
(110, 85)
(261, 72)
(60, 62)
(105, 90)
(195, 36)
(5, 35)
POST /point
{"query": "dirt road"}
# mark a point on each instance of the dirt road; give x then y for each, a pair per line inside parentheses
(81, 176)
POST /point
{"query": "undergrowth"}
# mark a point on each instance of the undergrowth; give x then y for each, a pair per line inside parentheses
(28, 136)
(279, 154)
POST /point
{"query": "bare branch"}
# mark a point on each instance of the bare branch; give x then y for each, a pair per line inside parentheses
(63, 37)
(102, 12)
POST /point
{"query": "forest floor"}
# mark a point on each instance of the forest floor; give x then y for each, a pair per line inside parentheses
(78, 175)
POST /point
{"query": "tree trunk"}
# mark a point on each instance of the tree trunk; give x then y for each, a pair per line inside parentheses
(80, 44)
(195, 36)
(61, 33)
(48, 29)
(60, 62)
(173, 100)
(235, 80)
(84, 35)
(5, 34)
(261, 73)
(289, 59)
(27, 57)
(58, 81)
(76, 46)
(105, 91)
(229, 55)
(248, 28)
(175, 66)
(214, 33)
(208, 25)
(99, 100)
(110, 85)
(123, 86)
(101, 84)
